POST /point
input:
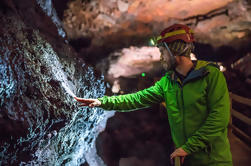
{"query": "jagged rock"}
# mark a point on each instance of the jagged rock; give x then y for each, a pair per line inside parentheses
(136, 138)
(128, 23)
(243, 65)
(123, 6)
(133, 61)
(40, 122)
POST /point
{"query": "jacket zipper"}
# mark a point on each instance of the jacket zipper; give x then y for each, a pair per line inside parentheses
(183, 111)
(183, 114)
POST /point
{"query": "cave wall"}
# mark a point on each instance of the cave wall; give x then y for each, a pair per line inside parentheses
(40, 122)
(137, 138)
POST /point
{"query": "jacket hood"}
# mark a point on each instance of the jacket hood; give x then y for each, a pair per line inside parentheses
(200, 64)
(200, 70)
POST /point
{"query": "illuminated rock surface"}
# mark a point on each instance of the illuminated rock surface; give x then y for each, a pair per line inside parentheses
(133, 61)
(107, 25)
(40, 122)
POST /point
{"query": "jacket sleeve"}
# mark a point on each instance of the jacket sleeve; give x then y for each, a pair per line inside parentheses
(140, 99)
(218, 105)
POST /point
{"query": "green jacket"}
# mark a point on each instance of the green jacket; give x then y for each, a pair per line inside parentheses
(198, 112)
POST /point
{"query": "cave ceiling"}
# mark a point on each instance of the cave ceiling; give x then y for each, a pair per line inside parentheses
(112, 29)
(113, 24)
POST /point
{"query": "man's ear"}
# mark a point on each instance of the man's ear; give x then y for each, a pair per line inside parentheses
(176, 57)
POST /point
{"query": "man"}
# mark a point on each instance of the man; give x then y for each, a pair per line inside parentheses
(196, 97)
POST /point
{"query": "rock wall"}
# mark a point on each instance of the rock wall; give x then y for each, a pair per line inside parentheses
(40, 123)
(137, 138)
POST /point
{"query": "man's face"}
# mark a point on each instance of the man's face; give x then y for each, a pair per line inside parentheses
(165, 58)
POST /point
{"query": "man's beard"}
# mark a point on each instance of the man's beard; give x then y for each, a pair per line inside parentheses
(169, 64)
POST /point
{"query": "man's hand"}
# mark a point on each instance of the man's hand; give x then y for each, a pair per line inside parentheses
(179, 153)
(88, 102)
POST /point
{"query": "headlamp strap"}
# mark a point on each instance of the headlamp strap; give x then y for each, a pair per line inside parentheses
(168, 49)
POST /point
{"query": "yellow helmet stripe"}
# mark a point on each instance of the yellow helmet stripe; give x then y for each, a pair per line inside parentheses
(178, 32)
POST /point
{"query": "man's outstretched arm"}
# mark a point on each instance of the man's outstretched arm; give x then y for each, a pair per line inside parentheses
(140, 99)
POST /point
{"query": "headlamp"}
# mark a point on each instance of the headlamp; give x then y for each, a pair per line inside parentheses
(153, 41)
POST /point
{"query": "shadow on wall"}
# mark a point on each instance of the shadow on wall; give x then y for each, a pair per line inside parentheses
(208, 53)
(60, 6)
(226, 53)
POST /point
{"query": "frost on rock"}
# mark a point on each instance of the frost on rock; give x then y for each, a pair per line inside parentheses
(36, 96)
